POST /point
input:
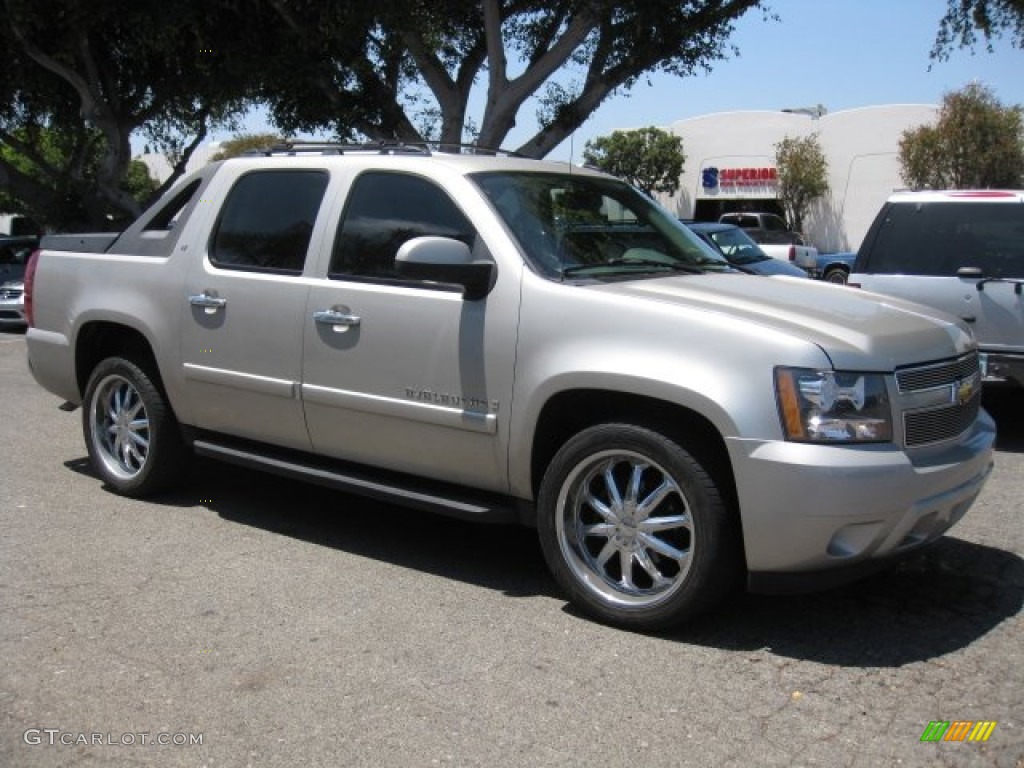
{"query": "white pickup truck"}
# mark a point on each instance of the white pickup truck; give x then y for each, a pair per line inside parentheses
(775, 238)
(511, 340)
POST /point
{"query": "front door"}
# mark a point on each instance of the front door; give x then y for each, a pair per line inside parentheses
(404, 374)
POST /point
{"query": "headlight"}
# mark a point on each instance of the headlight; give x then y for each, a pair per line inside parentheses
(833, 406)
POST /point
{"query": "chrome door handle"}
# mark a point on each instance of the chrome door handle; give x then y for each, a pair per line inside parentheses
(207, 301)
(333, 317)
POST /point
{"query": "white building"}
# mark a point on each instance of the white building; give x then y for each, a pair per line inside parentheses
(160, 167)
(730, 165)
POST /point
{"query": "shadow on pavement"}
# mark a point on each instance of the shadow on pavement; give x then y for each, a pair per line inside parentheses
(931, 604)
(934, 603)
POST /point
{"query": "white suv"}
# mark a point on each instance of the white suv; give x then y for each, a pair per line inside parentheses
(961, 252)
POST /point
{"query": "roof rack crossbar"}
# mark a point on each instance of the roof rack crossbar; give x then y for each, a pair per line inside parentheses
(295, 146)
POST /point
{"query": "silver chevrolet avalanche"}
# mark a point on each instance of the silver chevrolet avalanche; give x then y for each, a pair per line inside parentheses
(507, 339)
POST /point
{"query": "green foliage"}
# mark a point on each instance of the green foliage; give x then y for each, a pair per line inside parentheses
(97, 72)
(62, 164)
(648, 158)
(976, 143)
(803, 176)
(138, 183)
(964, 19)
(245, 142)
(106, 71)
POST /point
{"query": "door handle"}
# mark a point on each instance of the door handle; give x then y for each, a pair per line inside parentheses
(333, 317)
(207, 301)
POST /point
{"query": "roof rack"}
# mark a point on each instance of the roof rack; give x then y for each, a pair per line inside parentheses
(293, 147)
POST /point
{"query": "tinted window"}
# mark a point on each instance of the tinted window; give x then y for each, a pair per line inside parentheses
(385, 210)
(940, 238)
(267, 221)
(774, 223)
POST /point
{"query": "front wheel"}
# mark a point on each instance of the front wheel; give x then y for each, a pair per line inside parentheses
(635, 529)
(133, 439)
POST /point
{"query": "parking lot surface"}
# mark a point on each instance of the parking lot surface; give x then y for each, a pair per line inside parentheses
(248, 620)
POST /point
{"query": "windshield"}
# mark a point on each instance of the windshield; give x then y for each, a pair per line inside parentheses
(737, 246)
(584, 226)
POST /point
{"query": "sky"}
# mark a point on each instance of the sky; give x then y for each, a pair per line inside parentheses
(842, 54)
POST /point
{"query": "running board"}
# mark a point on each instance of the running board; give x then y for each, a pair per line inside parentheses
(478, 506)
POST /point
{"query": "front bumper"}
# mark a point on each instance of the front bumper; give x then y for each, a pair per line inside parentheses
(12, 311)
(811, 510)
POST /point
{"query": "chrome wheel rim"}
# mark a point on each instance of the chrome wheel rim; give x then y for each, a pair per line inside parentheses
(625, 529)
(119, 427)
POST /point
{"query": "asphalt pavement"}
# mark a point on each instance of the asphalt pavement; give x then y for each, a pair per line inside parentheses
(245, 620)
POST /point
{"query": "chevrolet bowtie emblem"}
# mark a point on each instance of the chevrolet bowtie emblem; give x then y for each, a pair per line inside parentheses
(963, 391)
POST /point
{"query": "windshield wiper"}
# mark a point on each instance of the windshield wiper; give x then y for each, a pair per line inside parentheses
(673, 266)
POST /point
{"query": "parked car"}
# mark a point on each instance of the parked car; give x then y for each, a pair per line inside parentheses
(506, 339)
(776, 239)
(740, 251)
(14, 253)
(961, 252)
(833, 267)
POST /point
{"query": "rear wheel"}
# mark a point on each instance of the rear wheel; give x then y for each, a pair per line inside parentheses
(836, 275)
(132, 436)
(635, 529)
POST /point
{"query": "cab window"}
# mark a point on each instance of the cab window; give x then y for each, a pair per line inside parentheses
(267, 220)
(385, 210)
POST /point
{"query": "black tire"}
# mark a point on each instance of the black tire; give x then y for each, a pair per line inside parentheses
(133, 439)
(638, 568)
(836, 275)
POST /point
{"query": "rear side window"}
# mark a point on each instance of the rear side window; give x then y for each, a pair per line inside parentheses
(938, 239)
(267, 220)
(384, 211)
(168, 215)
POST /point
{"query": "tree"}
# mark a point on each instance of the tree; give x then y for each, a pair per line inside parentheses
(649, 158)
(965, 18)
(60, 163)
(803, 176)
(975, 143)
(419, 62)
(245, 142)
(95, 72)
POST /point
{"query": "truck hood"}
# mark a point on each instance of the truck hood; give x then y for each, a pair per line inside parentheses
(856, 329)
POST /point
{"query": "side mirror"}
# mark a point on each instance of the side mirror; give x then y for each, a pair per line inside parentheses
(446, 260)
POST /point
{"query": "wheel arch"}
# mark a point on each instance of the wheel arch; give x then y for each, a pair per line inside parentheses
(568, 412)
(97, 340)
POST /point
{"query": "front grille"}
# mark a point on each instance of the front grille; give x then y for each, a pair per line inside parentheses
(938, 375)
(10, 293)
(958, 405)
(938, 424)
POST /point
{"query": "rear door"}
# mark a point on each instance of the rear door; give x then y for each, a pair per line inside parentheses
(244, 309)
